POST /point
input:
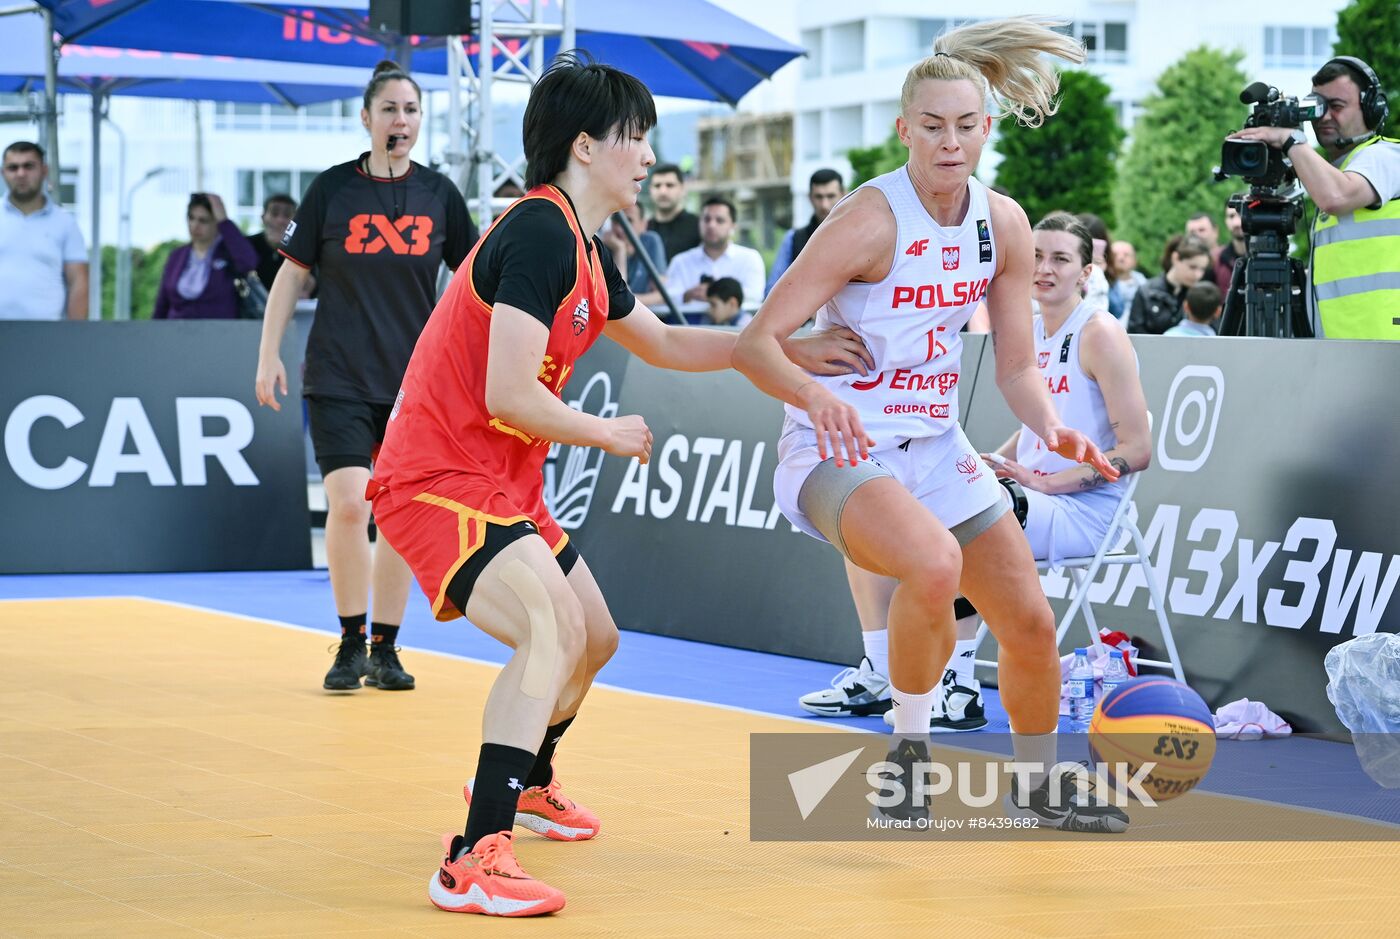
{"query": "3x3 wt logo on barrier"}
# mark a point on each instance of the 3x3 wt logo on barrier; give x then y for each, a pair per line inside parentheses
(372, 233)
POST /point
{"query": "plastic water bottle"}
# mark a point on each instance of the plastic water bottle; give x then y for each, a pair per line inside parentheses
(1115, 673)
(1081, 692)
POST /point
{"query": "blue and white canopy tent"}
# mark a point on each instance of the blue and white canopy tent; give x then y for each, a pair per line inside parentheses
(686, 49)
(99, 73)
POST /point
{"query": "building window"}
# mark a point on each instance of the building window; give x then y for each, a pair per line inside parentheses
(809, 134)
(844, 130)
(846, 48)
(1297, 46)
(1104, 42)
(335, 116)
(256, 185)
(812, 42)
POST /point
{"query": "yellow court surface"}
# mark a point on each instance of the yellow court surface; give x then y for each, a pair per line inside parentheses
(168, 771)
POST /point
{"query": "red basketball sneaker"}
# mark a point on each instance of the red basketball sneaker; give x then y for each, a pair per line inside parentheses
(545, 810)
(489, 880)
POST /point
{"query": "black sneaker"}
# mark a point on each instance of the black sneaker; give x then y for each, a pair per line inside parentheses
(907, 751)
(1072, 811)
(349, 665)
(385, 671)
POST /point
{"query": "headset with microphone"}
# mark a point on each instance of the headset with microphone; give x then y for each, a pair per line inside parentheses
(1374, 106)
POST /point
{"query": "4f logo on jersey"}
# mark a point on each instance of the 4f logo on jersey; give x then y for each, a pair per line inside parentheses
(581, 317)
(918, 248)
(371, 234)
(950, 258)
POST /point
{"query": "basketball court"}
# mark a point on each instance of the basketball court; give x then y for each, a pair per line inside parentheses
(170, 766)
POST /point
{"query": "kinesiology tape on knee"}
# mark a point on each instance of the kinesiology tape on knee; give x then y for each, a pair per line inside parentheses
(542, 657)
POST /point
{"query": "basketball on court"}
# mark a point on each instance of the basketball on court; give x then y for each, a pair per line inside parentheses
(1158, 721)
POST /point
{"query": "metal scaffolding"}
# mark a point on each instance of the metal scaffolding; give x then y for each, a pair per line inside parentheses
(515, 33)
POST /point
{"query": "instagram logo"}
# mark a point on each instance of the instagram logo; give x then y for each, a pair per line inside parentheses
(1190, 418)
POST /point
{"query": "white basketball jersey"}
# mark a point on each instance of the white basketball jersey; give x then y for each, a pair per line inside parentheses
(911, 320)
(1077, 397)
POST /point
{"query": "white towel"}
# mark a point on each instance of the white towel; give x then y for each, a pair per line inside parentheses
(1249, 720)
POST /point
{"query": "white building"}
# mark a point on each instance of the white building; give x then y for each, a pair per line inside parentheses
(848, 94)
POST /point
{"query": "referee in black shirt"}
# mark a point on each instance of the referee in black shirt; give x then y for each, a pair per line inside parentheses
(376, 230)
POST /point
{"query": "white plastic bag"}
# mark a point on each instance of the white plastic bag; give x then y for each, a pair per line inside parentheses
(1364, 686)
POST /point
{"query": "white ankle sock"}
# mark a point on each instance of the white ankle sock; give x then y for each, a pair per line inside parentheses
(877, 649)
(962, 664)
(912, 711)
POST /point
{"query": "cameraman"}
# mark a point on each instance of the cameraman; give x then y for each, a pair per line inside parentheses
(1357, 191)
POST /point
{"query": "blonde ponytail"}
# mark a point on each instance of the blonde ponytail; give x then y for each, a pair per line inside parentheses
(1004, 57)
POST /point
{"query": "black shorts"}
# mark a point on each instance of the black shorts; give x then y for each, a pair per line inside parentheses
(498, 537)
(346, 432)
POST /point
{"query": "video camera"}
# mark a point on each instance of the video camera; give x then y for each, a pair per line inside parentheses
(1266, 290)
(1254, 160)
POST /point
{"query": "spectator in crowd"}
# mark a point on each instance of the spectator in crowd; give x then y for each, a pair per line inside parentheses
(1096, 287)
(197, 283)
(1157, 305)
(43, 261)
(1203, 226)
(726, 299)
(689, 274)
(824, 190)
(1201, 308)
(629, 263)
(1124, 278)
(679, 229)
(377, 229)
(1232, 252)
(278, 211)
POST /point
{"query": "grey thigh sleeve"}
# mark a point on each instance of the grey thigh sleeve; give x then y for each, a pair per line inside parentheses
(824, 493)
(965, 531)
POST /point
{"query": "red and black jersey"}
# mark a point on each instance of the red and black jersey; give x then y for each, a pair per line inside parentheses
(440, 423)
(448, 468)
(376, 245)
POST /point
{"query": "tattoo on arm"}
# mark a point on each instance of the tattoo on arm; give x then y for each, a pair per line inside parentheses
(1096, 479)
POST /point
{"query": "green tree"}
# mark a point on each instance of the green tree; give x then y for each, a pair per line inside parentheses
(1370, 30)
(869, 162)
(146, 270)
(1069, 162)
(1165, 177)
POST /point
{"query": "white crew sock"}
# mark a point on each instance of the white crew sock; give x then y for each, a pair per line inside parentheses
(1035, 748)
(962, 663)
(913, 711)
(877, 649)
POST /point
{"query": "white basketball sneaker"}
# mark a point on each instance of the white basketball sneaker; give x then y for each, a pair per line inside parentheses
(855, 692)
(958, 710)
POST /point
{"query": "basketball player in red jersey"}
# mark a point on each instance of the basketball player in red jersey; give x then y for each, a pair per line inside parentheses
(458, 490)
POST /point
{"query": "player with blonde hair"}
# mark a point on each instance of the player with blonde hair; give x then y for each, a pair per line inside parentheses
(878, 465)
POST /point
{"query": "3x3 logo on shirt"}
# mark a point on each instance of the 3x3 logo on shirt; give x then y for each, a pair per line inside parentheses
(373, 233)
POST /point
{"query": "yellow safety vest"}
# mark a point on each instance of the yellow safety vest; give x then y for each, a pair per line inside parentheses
(1356, 268)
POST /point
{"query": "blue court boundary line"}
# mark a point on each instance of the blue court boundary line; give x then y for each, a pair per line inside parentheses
(1302, 773)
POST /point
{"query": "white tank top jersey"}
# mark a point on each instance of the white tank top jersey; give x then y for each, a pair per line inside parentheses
(910, 321)
(1077, 397)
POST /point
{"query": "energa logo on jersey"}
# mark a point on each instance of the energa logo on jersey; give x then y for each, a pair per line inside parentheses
(571, 472)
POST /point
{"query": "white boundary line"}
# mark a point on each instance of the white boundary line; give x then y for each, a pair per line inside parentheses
(807, 722)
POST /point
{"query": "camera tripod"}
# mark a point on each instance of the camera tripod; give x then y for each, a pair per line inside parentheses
(1267, 289)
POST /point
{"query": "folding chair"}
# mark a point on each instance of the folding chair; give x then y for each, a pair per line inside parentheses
(1083, 570)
